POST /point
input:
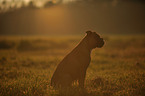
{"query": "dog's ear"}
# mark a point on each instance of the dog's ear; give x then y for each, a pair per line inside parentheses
(88, 32)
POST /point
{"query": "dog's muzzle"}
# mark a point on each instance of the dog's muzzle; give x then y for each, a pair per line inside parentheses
(100, 43)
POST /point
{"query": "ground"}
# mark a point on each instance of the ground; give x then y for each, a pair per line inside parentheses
(28, 62)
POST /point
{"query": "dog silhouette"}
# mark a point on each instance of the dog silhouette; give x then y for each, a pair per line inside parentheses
(74, 65)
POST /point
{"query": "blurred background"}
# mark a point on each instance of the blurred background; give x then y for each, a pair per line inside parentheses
(28, 17)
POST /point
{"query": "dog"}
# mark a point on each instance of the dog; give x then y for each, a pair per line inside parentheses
(73, 67)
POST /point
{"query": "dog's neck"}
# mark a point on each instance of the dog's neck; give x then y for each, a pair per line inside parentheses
(84, 42)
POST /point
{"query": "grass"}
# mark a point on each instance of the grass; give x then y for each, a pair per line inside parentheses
(27, 64)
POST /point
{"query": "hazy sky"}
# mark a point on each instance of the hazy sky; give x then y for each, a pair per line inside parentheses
(116, 16)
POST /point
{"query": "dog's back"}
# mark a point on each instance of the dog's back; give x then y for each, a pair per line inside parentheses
(77, 60)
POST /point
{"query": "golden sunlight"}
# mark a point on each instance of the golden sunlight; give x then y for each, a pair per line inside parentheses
(72, 48)
(55, 19)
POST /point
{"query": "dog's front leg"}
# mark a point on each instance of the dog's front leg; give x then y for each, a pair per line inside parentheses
(81, 79)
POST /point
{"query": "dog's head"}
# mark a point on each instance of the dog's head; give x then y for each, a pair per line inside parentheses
(94, 40)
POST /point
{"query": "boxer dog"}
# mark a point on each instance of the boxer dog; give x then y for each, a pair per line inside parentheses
(74, 65)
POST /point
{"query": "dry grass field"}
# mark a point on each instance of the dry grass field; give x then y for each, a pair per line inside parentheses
(28, 62)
